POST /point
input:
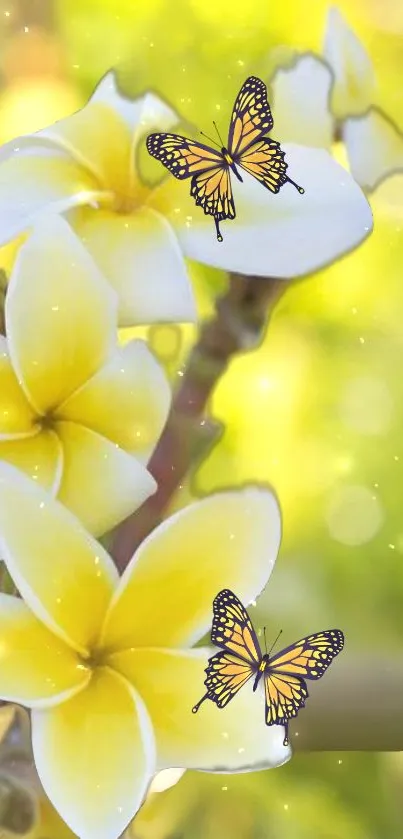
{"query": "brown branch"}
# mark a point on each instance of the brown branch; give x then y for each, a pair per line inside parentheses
(241, 315)
(358, 706)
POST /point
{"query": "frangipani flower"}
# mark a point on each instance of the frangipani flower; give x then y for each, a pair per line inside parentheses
(77, 413)
(317, 100)
(140, 236)
(107, 664)
(88, 160)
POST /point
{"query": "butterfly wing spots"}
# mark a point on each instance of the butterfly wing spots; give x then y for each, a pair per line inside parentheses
(251, 116)
(265, 161)
(225, 675)
(212, 191)
(311, 656)
(183, 157)
(285, 695)
(232, 628)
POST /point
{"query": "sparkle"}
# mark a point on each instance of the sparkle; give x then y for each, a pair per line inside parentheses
(285, 806)
(392, 547)
(224, 789)
(26, 28)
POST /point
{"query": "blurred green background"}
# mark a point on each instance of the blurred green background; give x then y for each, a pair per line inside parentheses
(326, 379)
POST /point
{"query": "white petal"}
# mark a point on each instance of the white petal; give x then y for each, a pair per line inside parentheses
(140, 256)
(166, 779)
(36, 182)
(95, 755)
(144, 113)
(301, 103)
(231, 739)
(285, 235)
(374, 146)
(354, 76)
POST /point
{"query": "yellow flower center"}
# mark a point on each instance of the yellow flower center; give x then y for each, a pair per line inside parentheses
(46, 422)
(95, 658)
(124, 204)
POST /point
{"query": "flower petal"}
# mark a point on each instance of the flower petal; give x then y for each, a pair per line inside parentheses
(36, 668)
(146, 112)
(97, 139)
(33, 184)
(127, 401)
(165, 779)
(374, 146)
(140, 256)
(301, 103)
(101, 484)
(63, 574)
(228, 540)
(95, 756)
(285, 235)
(139, 115)
(60, 315)
(17, 416)
(39, 456)
(233, 738)
(354, 78)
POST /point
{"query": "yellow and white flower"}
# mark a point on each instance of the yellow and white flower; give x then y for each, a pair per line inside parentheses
(316, 99)
(77, 413)
(107, 664)
(140, 236)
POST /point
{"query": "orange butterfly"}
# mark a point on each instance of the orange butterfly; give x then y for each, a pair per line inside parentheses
(284, 674)
(247, 147)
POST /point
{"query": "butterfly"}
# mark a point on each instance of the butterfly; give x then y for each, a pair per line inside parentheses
(247, 147)
(284, 674)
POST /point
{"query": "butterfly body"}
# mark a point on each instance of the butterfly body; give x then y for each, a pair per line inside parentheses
(263, 667)
(240, 659)
(231, 163)
(247, 148)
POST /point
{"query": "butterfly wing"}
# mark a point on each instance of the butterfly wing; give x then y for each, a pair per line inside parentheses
(251, 117)
(285, 695)
(264, 159)
(232, 628)
(228, 670)
(212, 191)
(310, 657)
(183, 157)
(225, 675)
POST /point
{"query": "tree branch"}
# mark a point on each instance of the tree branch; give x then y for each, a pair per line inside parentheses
(358, 706)
(241, 315)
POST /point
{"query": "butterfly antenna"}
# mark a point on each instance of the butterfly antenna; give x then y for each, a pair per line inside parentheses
(209, 138)
(265, 642)
(218, 133)
(275, 642)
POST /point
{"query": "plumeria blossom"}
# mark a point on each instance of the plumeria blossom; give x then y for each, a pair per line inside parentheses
(78, 414)
(108, 664)
(140, 236)
(316, 101)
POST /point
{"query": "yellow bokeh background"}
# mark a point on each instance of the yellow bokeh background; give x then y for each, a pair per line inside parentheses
(326, 377)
